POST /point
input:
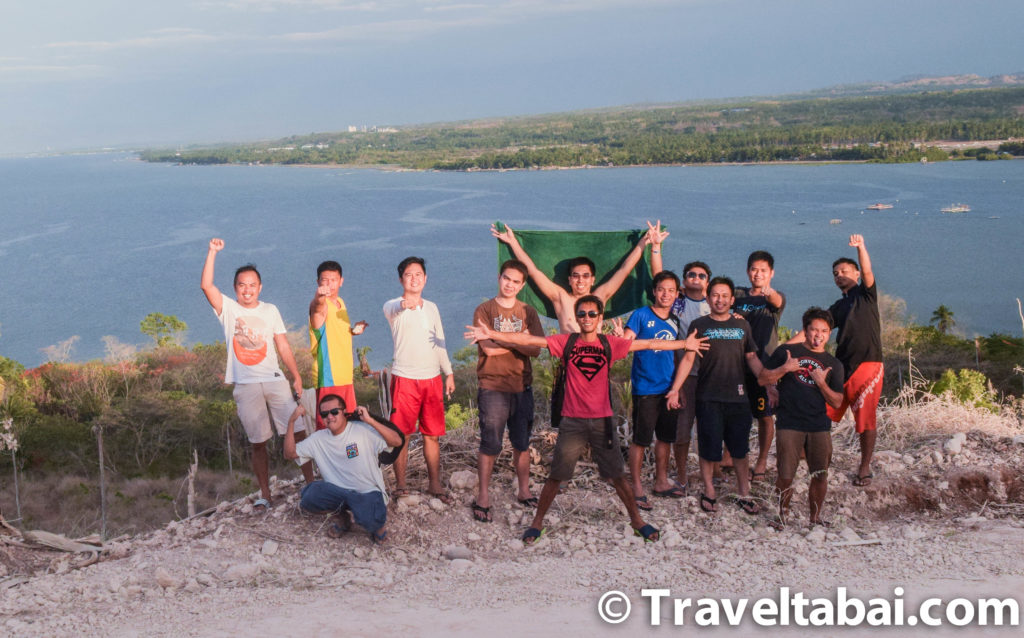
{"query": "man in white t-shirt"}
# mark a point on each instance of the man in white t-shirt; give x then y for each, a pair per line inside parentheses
(255, 335)
(347, 454)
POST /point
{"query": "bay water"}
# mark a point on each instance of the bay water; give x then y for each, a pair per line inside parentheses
(91, 244)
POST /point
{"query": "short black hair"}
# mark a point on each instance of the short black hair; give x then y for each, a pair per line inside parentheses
(662, 276)
(247, 268)
(582, 261)
(332, 266)
(408, 261)
(761, 255)
(697, 264)
(722, 281)
(516, 265)
(328, 397)
(594, 299)
(815, 312)
(845, 260)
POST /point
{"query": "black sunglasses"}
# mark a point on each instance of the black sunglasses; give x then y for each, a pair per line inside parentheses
(696, 275)
(587, 313)
(331, 412)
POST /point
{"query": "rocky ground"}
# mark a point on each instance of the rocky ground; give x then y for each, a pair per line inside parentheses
(944, 517)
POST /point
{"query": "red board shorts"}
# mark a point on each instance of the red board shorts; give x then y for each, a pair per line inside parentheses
(346, 392)
(861, 393)
(421, 399)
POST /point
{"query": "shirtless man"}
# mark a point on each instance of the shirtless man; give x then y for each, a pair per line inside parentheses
(582, 277)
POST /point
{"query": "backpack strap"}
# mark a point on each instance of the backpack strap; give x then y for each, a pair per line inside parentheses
(609, 422)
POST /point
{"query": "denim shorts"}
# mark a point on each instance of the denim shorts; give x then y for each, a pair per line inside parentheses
(498, 409)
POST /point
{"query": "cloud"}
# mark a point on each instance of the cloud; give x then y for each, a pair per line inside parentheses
(159, 38)
(37, 72)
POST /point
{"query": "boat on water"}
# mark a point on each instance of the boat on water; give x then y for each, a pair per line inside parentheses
(880, 206)
(957, 208)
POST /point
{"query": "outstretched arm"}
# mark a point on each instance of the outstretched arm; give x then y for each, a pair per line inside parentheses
(867, 276)
(606, 290)
(691, 344)
(548, 288)
(481, 332)
(206, 282)
(318, 307)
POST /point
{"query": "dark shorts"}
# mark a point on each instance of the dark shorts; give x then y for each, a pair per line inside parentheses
(718, 423)
(368, 508)
(651, 417)
(574, 435)
(498, 409)
(758, 396)
(817, 447)
(688, 412)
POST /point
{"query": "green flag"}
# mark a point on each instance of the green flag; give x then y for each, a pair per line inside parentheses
(551, 251)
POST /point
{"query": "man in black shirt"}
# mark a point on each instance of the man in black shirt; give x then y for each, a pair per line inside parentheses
(809, 379)
(723, 413)
(762, 306)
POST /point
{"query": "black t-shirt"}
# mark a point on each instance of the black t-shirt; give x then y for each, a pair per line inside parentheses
(860, 332)
(763, 319)
(722, 368)
(801, 405)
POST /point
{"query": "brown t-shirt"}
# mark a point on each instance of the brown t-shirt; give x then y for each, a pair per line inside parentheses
(509, 372)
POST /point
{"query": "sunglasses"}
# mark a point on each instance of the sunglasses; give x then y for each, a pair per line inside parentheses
(587, 313)
(696, 275)
(332, 412)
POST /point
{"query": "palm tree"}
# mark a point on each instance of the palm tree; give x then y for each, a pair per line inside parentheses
(943, 319)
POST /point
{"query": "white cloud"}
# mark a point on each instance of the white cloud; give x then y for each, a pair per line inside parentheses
(158, 38)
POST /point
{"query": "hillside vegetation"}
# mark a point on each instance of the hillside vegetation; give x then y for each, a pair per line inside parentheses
(885, 128)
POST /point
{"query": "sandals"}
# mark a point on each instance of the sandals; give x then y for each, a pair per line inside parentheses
(341, 523)
(532, 535)
(641, 503)
(481, 514)
(863, 480)
(712, 504)
(748, 506)
(649, 532)
(759, 477)
(261, 502)
(531, 501)
(672, 492)
(444, 497)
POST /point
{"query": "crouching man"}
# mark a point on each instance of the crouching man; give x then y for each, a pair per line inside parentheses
(809, 379)
(347, 455)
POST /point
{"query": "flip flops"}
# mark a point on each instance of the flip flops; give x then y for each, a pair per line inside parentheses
(532, 535)
(863, 480)
(642, 503)
(649, 532)
(672, 492)
(711, 503)
(481, 514)
(261, 503)
(531, 501)
(748, 506)
(379, 537)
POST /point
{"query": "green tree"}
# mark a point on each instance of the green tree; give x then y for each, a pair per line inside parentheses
(942, 319)
(164, 329)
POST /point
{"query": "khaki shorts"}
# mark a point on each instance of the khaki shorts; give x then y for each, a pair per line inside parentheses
(258, 403)
(574, 435)
(817, 446)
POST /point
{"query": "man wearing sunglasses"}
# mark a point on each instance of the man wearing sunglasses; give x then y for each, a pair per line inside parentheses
(582, 277)
(346, 452)
(587, 410)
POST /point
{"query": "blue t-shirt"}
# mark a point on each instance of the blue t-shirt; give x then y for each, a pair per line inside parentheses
(652, 369)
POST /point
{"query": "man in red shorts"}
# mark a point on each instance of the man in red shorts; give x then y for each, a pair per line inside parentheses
(420, 360)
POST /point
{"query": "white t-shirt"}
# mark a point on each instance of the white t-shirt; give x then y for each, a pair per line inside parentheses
(348, 460)
(419, 340)
(249, 335)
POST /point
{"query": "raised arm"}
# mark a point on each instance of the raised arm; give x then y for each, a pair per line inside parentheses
(867, 276)
(392, 438)
(548, 288)
(606, 290)
(318, 307)
(657, 237)
(206, 282)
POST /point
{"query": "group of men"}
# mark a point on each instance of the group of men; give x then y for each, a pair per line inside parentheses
(706, 352)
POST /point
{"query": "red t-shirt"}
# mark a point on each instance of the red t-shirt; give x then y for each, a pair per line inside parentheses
(586, 384)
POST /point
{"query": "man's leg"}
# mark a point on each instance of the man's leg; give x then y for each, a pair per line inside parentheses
(625, 493)
(816, 495)
(399, 466)
(432, 457)
(321, 497)
(662, 451)
(682, 454)
(261, 468)
(484, 468)
(867, 450)
(788, 445)
(785, 489)
(636, 459)
(707, 473)
(547, 497)
(765, 435)
(521, 462)
(405, 407)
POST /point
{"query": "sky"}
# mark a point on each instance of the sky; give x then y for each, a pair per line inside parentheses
(77, 75)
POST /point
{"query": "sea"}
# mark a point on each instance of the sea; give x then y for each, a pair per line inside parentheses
(91, 244)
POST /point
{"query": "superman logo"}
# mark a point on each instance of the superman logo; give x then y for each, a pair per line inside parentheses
(588, 364)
